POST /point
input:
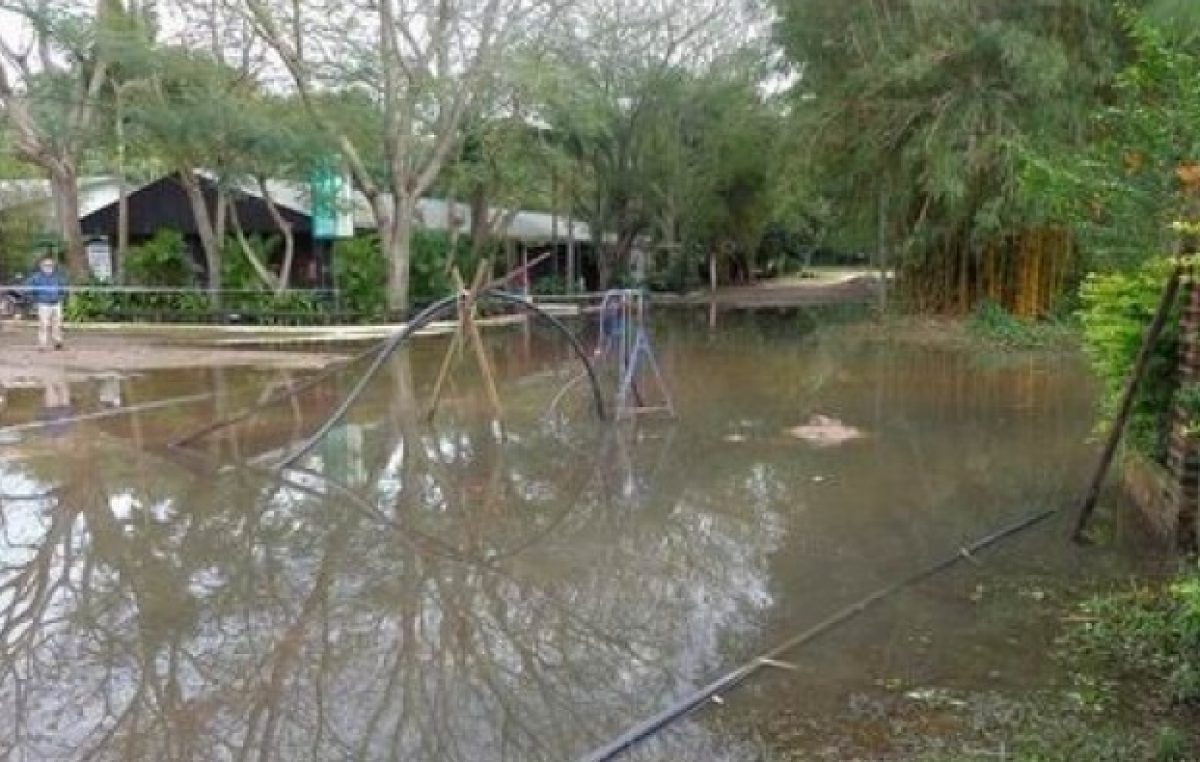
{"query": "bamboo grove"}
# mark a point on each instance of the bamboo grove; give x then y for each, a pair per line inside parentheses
(970, 144)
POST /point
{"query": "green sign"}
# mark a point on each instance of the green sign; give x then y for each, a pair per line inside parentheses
(332, 203)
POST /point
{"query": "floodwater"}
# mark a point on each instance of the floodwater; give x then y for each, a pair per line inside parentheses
(461, 590)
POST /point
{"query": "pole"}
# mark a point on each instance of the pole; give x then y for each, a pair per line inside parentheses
(881, 255)
(1088, 504)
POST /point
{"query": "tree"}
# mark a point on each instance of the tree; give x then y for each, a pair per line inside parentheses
(610, 80)
(933, 107)
(51, 77)
(422, 68)
(1137, 172)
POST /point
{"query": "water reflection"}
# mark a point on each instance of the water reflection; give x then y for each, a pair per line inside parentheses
(456, 592)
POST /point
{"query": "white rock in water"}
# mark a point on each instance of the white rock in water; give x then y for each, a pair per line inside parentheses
(823, 431)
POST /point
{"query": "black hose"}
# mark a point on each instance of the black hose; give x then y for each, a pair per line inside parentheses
(275, 399)
(643, 730)
(103, 414)
(35, 498)
(382, 352)
(423, 318)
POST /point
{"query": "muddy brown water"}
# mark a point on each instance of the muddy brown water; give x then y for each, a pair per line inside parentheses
(457, 590)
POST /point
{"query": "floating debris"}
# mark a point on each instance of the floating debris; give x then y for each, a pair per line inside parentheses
(823, 431)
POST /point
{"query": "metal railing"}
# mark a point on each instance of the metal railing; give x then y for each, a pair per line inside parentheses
(162, 304)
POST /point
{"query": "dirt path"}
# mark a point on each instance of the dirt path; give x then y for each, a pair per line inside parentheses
(92, 355)
(789, 292)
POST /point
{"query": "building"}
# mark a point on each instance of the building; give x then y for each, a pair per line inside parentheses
(162, 203)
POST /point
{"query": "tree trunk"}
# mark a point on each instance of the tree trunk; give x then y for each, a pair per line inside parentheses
(289, 238)
(396, 244)
(122, 193)
(64, 185)
(481, 223)
(455, 233)
(256, 264)
(572, 269)
(208, 236)
(604, 260)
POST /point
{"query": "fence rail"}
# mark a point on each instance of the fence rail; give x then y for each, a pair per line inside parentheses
(192, 305)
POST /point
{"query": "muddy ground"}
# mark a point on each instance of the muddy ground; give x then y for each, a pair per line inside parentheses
(91, 355)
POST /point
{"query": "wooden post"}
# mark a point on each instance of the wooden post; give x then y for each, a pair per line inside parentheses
(1088, 504)
(447, 360)
(485, 367)
(572, 275)
(881, 254)
(468, 331)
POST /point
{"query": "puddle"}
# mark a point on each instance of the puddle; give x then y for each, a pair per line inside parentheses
(461, 591)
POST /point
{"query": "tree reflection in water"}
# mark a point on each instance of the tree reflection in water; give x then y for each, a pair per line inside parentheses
(457, 592)
(410, 593)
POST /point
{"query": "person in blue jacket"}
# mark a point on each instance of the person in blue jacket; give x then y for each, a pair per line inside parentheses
(48, 289)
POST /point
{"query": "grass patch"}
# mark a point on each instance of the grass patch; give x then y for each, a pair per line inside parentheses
(992, 324)
(1132, 693)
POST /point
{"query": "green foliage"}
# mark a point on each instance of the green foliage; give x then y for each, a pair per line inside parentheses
(992, 324)
(20, 233)
(549, 284)
(88, 306)
(430, 254)
(161, 261)
(361, 274)
(1120, 191)
(1153, 632)
(269, 308)
(933, 106)
(1172, 745)
(1187, 399)
(236, 271)
(1116, 310)
(674, 154)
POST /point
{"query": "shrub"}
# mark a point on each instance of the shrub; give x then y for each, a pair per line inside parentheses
(236, 270)
(428, 280)
(362, 271)
(87, 306)
(1116, 309)
(161, 261)
(361, 276)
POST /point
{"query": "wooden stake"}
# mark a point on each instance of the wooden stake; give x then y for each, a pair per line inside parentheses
(466, 311)
(1088, 504)
(444, 370)
(472, 332)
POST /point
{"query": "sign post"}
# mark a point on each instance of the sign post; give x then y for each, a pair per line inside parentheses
(332, 213)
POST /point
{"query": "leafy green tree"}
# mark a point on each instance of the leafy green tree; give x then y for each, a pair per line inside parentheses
(1140, 170)
(921, 113)
(423, 67)
(629, 103)
(54, 59)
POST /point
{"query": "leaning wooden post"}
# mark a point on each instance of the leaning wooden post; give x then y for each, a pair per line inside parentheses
(444, 370)
(1088, 504)
(472, 332)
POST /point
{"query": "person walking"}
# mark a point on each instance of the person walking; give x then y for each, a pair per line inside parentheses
(48, 289)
